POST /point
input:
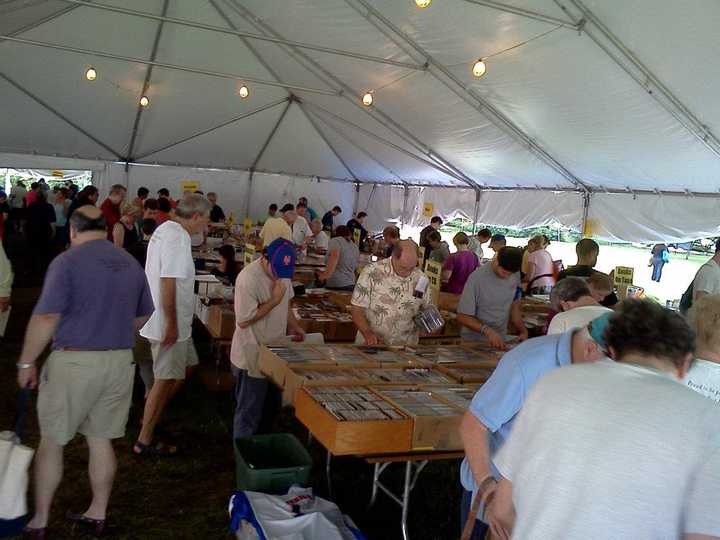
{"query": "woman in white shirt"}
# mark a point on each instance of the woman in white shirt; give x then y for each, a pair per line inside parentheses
(704, 375)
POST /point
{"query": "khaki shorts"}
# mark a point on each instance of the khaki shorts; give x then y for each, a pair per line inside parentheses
(86, 392)
(172, 362)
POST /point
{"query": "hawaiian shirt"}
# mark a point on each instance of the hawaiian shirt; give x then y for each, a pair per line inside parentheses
(389, 302)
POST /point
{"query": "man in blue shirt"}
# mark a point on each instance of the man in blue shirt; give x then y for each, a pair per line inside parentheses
(488, 422)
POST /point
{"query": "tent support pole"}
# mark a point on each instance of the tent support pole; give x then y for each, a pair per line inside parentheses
(524, 13)
(356, 204)
(164, 65)
(61, 116)
(644, 77)
(349, 93)
(386, 142)
(477, 210)
(360, 148)
(459, 88)
(146, 82)
(214, 128)
(406, 194)
(249, 194)
(586, 213)
(248, 35)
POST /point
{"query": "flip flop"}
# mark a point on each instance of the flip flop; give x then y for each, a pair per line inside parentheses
(35, 534)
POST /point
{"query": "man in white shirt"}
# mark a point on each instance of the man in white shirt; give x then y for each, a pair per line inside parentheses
(263, 314)
(171, 275)
(615, 450)
(576, 307)
(320, 239)
(301, 226)
(707, 279)
(704, 319)
(477, 241)
(279, 227)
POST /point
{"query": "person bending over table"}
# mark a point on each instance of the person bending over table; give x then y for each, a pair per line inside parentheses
(342, 261)
(615, 449)
(494, 409)
(383, 303)
(263, 314)
(491, 298)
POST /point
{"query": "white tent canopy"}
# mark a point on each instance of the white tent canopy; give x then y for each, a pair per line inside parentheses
(590, 111)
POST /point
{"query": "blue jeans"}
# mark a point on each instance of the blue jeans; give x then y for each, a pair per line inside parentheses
(481, 528)
(249, 400)
(657, 269)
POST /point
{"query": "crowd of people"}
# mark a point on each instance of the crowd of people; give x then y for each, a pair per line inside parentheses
(603, 428)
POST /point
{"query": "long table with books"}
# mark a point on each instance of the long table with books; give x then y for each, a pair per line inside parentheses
(387, 405)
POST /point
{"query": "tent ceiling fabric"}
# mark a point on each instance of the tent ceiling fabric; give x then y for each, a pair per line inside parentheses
(560, 90)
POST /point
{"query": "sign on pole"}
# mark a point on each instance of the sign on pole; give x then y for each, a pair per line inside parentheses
(427, 209)
(248, 254)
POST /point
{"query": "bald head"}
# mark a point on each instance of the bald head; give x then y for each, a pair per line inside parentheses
(404, 258)
(86, 223)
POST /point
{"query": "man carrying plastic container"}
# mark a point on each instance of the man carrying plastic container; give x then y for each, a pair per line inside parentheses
(263, 314)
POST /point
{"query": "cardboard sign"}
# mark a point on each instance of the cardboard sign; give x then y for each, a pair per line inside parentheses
(427, 209)
(189, 185)
(356, 236)
(249, 254)
(247, 224)
(624, 276)
(58, 174)
(433, 270)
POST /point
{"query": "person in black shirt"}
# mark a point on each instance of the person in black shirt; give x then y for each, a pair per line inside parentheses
(40, 230)
(587, 251)
(357, 223)
(139, 249)
(88, 196)
(216, 214)
(435, 223)
(328, 219)
(228, 267)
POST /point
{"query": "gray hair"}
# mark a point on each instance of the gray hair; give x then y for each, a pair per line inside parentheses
(570, 289)
(191, 205)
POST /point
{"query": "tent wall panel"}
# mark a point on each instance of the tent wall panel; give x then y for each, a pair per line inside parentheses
(322, 195)
(653, 218)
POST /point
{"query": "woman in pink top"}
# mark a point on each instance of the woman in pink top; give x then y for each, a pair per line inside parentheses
(540, 263)
(459, 265)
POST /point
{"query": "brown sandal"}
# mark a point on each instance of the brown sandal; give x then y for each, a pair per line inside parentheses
(160, 449)
(96, 527)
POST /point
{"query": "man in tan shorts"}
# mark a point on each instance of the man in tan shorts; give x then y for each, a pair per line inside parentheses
(171, 275)
(86, 383)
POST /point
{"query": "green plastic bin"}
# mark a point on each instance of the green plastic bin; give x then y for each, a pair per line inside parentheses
(271, 463)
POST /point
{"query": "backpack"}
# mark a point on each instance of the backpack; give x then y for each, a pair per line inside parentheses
(687, 299)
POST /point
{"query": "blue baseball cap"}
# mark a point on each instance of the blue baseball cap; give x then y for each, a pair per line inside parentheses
(281, 254)
(597, 328)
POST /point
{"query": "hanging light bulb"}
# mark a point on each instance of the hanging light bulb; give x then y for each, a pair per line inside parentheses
(367, 99)
(244, 91)
(91, 74)
(144, 101)
(422, 4)
(479, 68)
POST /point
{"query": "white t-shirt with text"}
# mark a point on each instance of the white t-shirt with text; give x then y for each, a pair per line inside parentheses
(300, 231)
(169, 255)
(704, 378)
(610, 451)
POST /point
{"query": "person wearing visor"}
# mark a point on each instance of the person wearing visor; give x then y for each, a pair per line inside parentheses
(263, 314)
(489, 421)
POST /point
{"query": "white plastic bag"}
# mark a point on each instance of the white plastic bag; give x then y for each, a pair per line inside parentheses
(298, 515)
(15, 461)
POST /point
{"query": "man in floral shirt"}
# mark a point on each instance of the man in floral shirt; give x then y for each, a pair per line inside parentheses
(383, 304)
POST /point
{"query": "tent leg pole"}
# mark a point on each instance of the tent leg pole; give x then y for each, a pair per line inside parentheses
(249, 194)
(356, 204)
(406, 193)
(586, 213)
(477, 211)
